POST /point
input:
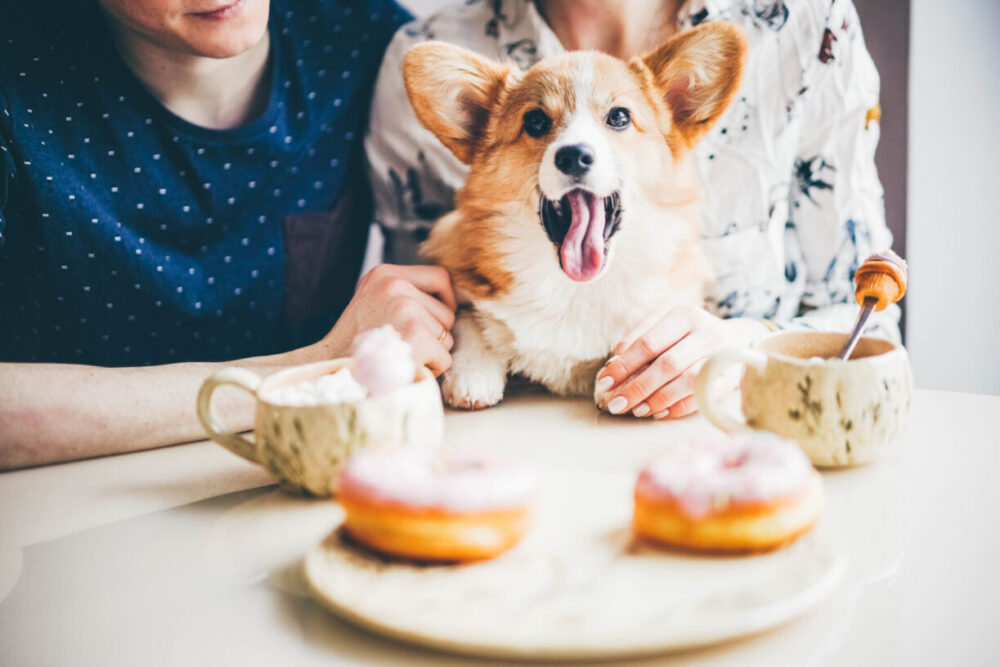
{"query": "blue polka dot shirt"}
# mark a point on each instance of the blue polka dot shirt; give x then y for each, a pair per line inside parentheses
(129, 236)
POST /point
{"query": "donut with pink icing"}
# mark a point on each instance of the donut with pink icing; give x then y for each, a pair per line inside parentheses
(749, 491)
(436, 504)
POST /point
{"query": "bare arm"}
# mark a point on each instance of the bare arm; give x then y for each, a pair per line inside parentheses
(58, 412)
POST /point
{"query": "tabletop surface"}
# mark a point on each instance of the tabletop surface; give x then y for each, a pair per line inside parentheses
(169, 557)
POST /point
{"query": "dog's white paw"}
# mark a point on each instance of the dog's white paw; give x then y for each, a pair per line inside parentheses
(473, 389)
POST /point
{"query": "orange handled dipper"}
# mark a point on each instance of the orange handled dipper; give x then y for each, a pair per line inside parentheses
(879, 281)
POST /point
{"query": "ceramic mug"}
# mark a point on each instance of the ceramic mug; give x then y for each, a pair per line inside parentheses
(841, 412)
(306, 446)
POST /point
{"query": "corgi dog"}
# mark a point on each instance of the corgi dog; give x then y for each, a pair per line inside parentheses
(581, 213)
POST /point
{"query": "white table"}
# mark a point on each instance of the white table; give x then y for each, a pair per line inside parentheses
(187, 555)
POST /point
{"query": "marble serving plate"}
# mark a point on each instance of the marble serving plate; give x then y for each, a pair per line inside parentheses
(577, 587)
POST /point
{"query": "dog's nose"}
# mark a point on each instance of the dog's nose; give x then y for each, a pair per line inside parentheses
(574, 160)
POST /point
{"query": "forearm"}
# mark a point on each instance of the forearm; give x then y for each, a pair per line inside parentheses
(59, 412)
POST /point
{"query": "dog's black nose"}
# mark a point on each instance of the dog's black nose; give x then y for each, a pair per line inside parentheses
(574, 160)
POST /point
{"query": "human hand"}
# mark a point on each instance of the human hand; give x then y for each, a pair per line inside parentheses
(417, 300)
(654, 368)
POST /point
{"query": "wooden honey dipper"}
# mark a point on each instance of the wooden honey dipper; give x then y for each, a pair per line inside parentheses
(879, 281)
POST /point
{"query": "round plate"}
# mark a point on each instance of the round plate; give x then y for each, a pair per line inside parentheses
(576, 587)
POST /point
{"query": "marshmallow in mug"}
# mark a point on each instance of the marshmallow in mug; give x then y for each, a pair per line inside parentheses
(383, 361)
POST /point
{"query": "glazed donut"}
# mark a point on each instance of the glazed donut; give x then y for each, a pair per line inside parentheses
(435, 504)
(751, 491)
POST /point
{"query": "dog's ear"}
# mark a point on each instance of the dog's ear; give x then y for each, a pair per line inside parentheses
(697, 72)
(452, 91)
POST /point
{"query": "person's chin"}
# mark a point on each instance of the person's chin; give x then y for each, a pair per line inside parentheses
(232, 30)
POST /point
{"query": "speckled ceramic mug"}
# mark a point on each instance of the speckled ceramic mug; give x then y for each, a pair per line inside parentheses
(306, 446)
(841, 412)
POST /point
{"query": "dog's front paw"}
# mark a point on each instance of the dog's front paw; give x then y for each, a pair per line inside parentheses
(473, 389)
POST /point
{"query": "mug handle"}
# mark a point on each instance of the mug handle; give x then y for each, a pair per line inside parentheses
(209, 418)
(709, 372)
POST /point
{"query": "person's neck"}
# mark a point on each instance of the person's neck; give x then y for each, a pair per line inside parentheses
(216, 93)
(622, 28)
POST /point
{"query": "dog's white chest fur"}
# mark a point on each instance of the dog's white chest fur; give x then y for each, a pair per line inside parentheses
(553, 330)
(550, 330)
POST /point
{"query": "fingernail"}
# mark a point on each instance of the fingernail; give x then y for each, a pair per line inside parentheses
(604, 383)
(641, 411)
(617, 404)
(661, 415)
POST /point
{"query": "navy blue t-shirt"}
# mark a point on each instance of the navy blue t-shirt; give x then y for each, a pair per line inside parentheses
(129, 236)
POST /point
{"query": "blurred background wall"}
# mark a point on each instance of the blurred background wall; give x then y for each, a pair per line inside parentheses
(953, 236)
(939, 161)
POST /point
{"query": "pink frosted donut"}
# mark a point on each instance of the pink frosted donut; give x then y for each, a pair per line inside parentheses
(742, 492)
(443, 504)
(383, 361)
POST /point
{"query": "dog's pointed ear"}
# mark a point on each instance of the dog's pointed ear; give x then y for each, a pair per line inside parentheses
(697, 73)
(452, 91)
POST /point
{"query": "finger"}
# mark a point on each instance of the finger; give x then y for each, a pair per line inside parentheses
(660, 404)
(444, 315)
(636, 331)
(413, 320)
(422, 332)
(648, 346)
(429, 327)
(602, 397)
(664, 369)
(672, 392)
(430, 352)
(683, 408)
(432, 280)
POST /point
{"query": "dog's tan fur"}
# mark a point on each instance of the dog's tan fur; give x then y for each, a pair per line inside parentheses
(494, 244)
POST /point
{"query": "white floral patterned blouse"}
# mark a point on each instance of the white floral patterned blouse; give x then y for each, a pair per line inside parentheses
(794, 202)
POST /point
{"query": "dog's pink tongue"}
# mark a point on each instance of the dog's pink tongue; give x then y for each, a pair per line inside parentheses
(582, 249)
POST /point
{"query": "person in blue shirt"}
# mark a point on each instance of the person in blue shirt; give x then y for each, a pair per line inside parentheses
(181, 188)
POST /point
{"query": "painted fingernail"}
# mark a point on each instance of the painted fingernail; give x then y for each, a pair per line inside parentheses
(617, 404)
(605, 383)
(641, 411)
(661, 415)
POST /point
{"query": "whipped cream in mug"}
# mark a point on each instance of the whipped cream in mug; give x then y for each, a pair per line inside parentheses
(383, 362)
(339, 387)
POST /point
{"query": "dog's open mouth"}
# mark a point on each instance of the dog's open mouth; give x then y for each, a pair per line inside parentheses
(580, 224)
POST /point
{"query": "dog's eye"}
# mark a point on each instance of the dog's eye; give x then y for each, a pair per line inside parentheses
(536, 123)
(618, 118)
